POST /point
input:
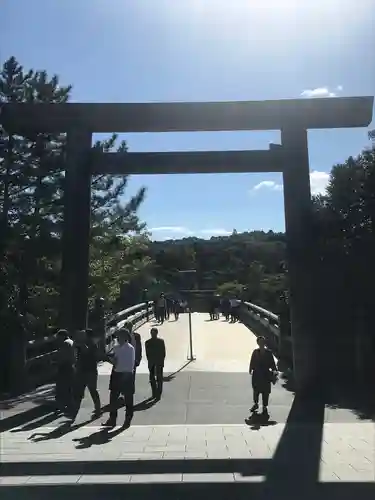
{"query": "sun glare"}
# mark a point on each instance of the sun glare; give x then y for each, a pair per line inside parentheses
(244, 8)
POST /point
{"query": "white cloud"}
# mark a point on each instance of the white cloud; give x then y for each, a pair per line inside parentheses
(271, 185)
(167, 232)
(321, 92)
(318, 183)
(215, 232)
(171, 229)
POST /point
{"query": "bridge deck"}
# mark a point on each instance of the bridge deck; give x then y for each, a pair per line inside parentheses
(217, 345)
(199, 431)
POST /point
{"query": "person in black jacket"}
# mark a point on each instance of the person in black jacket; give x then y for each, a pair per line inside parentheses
(86, 370)
(263, 371)
(155, 353)
(65, 377)
(136, 342)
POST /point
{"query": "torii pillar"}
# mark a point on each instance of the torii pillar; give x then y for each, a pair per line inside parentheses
(307, 362)
(76, 232)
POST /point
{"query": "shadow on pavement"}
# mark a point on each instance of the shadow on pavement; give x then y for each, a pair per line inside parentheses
(171, 376)
(61, 430)
(56, 433)
(252, 467)
(38, 395)
(22, 418)
(146, 404)
(360, 402)
(35, 424)
(98, 438)
(292, 473)
(185, 491)
(295, 466)
(257, 420)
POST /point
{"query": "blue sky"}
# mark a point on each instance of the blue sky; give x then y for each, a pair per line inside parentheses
(204, 50)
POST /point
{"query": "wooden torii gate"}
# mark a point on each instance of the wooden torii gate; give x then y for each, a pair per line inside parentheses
(292, 117)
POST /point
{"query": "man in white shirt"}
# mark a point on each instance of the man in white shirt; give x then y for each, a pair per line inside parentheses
(122, 357)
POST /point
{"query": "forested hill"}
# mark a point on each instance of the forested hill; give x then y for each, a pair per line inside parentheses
(250, 263)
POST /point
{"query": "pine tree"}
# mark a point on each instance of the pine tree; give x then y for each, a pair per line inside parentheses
(31, 208)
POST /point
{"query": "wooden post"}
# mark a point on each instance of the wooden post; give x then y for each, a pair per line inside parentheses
(298, 213)
(76, 235)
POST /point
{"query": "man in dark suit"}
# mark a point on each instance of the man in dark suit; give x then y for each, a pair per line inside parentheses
(136, 342)
(155, 353)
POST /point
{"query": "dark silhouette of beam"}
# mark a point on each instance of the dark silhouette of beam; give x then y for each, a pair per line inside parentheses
(196, 162)
(318, 113)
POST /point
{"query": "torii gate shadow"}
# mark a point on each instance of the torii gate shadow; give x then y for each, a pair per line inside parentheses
(292, 473)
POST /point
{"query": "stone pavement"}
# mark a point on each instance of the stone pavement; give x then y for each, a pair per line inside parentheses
(277, 457)
(197, 441)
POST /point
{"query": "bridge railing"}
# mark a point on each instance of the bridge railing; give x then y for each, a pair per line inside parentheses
(136, 316)
(37, 364)
(269, 325)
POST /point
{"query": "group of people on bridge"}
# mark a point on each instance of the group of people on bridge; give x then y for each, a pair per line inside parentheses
(77, 368)
(229, 308)
(164, 306)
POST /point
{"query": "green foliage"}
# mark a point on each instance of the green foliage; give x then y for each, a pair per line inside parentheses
(31, 213)
(232, 289)
(345, 237)
(247, 264)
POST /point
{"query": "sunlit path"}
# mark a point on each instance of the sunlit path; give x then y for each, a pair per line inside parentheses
(218, 346)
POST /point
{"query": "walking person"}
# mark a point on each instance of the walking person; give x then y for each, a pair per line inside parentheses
(235, 310)
(86, 371)
(155, 310)
(176, 309)
(226, 308)
(161, 307)
(168, 308)
(155, 353)
(216, 307)
(211, 307)
(232, 306)
(263, 371)
(123, 359)
(65, 372)
(136, 342)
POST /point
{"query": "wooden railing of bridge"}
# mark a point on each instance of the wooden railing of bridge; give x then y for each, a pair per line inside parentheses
(38, 363)
(274, 328)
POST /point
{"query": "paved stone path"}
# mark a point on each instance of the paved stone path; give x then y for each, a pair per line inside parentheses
(200, 433)
(210, 453)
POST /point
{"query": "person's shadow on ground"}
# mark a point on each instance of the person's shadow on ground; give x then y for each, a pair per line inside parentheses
(61, 430)
(146, 404)
(103, 436)
(171, 376)
(56, 433)
(47, 419)
(257, 420)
